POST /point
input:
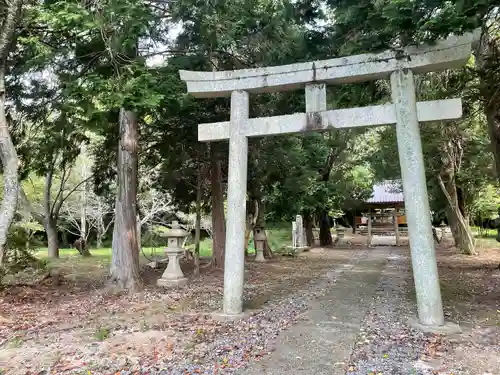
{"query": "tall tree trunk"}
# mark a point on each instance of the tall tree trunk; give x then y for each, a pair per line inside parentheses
(218, 222)
(83, 196)
(139, 231)
(84, 248)
(9, 159)
(325, 236)
(49, 221)
(52, 238)
(453, 223)
(460, 229)
(197, 226)
(8, 154)
(64, 240)
(99, 233)
(486, 53)
(308, 223)
(125, 251)
(99, 240)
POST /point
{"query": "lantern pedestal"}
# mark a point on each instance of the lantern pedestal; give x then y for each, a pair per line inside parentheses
(173, 275)
(259, 257)
(259, 239)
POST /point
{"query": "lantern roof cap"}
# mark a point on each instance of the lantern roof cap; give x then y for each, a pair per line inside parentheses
(175, 231)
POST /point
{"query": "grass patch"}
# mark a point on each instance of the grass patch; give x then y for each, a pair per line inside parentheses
(101, 334)
(487, 243)
(15, 342)
(277, 238)
(81, 269)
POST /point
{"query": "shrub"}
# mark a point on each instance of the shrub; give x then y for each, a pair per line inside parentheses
(19, 251)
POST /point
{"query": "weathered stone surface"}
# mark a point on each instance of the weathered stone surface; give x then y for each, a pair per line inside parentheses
(236, 206)
(173, 275)
(223, 317)
(300, 231)
(448, 328)
(172, 283)
(315, 97)
(259, 239)
(294, 234)
(430, 309)
(450, 53)
(385, 114)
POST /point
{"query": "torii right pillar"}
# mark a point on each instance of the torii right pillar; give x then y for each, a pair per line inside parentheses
(423, 253)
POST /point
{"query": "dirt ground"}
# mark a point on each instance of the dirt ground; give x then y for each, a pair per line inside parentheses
(66, 328)
(470, 288)
(63, 327)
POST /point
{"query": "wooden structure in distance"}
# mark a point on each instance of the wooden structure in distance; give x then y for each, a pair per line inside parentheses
(387, 206)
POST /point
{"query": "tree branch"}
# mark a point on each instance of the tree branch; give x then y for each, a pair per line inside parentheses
(63, 199)
(64, 177)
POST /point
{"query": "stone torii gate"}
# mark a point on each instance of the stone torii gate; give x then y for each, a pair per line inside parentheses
(404, 111)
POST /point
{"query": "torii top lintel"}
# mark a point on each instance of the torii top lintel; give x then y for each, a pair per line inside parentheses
(450, 53)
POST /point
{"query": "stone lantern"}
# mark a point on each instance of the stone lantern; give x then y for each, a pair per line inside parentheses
(259, 238)
(173, 275)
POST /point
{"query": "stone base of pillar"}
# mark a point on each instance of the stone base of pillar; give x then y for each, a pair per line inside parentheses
(297, 249)
(448, 328)
(259, 257)
(221, 317)
(172, 283)
(369, 241)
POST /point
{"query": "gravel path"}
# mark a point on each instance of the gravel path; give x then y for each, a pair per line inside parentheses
(322, 342)
(255, 338)
(386, 344)
(228, 348)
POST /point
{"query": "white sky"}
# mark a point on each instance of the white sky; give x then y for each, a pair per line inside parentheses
(159, 60)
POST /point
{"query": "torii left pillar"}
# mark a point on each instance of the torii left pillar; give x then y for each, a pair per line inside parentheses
(234, 263)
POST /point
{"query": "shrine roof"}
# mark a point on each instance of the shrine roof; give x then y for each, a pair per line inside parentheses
(387, 192)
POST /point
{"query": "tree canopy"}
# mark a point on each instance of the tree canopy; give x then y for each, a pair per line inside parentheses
(78, 75)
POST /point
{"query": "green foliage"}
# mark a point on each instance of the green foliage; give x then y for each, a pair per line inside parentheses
(20, 250)
(77, 63)
(101, 334)
(367, 25)
(486, 204)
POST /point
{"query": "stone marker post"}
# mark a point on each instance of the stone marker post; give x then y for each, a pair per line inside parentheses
(300, 231)
(369, 232)
(396, 225)
(294, 234)
(234, 263)
(423, 254)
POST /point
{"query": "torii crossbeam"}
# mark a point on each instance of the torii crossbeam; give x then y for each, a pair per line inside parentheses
(404, 111)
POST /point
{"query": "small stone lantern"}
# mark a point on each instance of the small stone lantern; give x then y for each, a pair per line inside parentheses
(173, 275)
(259, 238)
